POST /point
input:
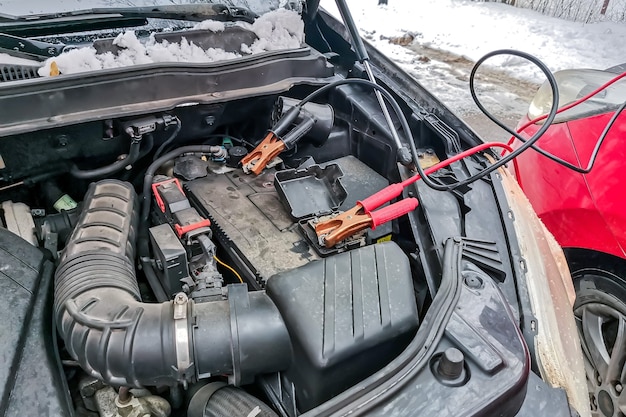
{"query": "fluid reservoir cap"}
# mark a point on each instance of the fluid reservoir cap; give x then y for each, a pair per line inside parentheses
(451, 365)
(65, 202)
(235, 155)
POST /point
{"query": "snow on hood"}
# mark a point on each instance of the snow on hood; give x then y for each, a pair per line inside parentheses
(277, 30)
(13, 60)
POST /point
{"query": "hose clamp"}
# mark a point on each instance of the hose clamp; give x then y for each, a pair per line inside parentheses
(181, 335)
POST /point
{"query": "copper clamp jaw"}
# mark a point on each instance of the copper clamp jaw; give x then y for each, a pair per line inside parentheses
(332, 231)
(358, 218)
(268, 149)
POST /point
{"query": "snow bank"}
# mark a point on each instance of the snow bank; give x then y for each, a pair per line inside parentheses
(276, 30)
(472, 29)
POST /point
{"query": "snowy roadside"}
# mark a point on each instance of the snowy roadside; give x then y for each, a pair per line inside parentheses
(450, 35)
(447, 75)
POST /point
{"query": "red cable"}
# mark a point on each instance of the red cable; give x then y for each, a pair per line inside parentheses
(394, 190)
(460, 156)
(564, 108)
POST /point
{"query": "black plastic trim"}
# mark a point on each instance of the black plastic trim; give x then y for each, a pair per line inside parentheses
(386, 382)
(44, 103)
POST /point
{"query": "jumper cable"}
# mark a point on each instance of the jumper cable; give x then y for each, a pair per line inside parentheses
(364, 214)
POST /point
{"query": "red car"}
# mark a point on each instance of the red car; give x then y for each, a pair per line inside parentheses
(586, 212)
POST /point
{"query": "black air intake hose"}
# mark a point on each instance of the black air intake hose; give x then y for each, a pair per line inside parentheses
(220, 400)
(230, 401)
(122, 341)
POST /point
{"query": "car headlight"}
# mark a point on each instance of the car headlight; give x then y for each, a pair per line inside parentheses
(575, 84)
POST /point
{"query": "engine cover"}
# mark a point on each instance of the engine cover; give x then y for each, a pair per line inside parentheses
(32, 369)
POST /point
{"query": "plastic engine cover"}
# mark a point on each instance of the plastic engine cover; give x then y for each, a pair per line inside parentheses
(348, 315)
(31, 379)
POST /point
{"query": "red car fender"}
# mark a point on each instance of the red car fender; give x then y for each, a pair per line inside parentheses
(563, 198)
(607, 179)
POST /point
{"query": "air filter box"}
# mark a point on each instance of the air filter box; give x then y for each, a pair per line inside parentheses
(347, 315)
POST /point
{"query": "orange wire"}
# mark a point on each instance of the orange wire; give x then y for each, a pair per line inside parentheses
(230, 268)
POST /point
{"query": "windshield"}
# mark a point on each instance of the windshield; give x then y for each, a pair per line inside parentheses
(21, 7)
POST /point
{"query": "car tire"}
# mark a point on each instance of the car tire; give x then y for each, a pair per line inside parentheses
(600, 311)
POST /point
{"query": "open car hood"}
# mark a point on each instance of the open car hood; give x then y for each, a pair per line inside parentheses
(219, 229)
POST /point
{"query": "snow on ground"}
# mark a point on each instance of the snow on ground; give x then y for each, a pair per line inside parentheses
(452, 34)
(473, 29)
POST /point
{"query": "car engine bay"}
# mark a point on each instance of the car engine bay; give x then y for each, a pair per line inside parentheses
(204, 206)
(171, 254)
(214, 233)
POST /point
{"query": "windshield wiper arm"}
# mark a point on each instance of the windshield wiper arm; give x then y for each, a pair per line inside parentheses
(29, 48)
(115, 17)
(54, 25)
(193, 12)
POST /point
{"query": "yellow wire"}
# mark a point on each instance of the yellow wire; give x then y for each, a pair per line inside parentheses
(230, 268)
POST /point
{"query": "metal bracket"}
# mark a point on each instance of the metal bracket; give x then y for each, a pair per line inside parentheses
(181, 335)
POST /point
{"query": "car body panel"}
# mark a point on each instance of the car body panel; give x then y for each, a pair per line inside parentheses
(606, 181)
(590, 214)
(557, 342)
(59, 101)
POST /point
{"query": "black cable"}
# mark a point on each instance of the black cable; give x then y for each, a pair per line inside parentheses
(594, 153)
(168, 141)
(409, 136)
(148, 140)
(133, 156)
(359, 81)
(551, 115)
(386, 95)
(536, 148)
